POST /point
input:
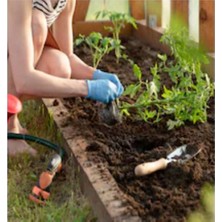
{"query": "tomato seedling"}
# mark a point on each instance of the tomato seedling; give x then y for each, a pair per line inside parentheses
(119, 20)
(99, 45)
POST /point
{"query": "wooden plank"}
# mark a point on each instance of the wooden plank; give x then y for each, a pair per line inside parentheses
(207, 25)
(96, 182)
(81, 10)
(137, 9)
(179, 11)
(154, 11)
(150, 36)
(85, 28)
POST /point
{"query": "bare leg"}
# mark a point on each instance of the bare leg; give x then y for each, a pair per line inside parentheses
(15, 126)
(16, 146)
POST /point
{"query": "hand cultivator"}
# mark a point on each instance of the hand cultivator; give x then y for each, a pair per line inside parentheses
(41, 191)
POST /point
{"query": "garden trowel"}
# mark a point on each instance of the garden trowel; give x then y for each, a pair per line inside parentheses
(109, 113)
(180, 154)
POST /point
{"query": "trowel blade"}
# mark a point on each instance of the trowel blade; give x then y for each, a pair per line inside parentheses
(110, 114)
(183, 153)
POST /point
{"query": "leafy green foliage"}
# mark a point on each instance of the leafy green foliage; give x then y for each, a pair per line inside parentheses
(206, 213)
(99, 45)
(119, 20)
(191, 88)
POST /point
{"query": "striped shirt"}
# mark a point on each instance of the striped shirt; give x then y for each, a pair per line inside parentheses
(51, 12)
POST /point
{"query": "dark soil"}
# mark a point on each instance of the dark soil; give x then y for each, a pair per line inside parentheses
(166, 195)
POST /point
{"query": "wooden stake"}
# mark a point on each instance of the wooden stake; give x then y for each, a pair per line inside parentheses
(179, 10)
(81, 10)
(137, 9)
(207, 25)
(154, 10)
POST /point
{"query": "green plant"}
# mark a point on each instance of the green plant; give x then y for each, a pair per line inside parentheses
(119, 20)
(191, 88)
(143, 96)
(206, 212)
(99, 45)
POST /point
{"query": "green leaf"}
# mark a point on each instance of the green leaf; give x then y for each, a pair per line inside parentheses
(137, 71)
(174, 123)
(151, 114)
(154, 70)
(131, 90)
(110, 29)
(143, 99)
(125, 112)
(162, 57)
(79, 41)
(167, 93)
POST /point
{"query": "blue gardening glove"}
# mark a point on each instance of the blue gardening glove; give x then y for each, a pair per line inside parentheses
(101, 90)
(98, 74)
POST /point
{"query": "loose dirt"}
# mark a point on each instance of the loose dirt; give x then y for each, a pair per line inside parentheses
(166, 195)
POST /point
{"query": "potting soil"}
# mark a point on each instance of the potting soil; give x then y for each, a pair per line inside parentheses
(166, 195)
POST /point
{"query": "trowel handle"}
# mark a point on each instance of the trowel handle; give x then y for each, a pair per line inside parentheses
(150, 167)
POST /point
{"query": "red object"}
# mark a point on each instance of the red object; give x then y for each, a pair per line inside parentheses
(39, 195)
(14, 105)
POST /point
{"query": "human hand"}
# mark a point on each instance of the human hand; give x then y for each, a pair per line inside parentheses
(98, 74)
(102, 90)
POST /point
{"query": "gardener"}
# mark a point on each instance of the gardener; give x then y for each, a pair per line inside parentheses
(41, 67)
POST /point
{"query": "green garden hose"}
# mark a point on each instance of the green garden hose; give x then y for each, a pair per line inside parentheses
(38, 140)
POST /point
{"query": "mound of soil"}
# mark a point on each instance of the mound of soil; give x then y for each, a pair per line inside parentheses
(166, 195)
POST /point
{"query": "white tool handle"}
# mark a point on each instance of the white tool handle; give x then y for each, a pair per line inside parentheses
(150, 167)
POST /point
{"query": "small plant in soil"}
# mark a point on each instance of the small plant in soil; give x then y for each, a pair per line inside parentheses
(206, 213)
(99, 45)
(119, 20)
(186, 99)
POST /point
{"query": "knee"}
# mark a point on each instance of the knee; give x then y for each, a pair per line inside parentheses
(61, 67)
